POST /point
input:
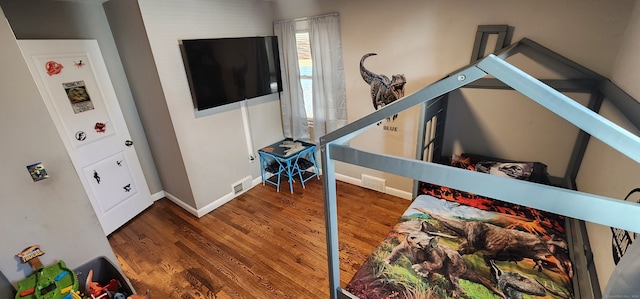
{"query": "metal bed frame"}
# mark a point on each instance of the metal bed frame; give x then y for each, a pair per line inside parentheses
(495, 72)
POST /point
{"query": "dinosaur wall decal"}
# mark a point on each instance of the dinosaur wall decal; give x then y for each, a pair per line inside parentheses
(384, 91)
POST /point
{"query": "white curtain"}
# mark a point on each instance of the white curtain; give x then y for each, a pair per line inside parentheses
(329, 99)
(294, 116)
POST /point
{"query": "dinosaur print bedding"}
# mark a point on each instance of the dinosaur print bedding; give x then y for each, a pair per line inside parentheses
(452, 244)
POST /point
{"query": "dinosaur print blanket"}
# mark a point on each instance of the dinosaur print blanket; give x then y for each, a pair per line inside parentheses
(452, 244)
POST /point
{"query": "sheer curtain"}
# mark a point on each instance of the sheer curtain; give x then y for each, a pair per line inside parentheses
(294, 116)
(329, 99)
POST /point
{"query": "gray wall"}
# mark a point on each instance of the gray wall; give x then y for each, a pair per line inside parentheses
(605, 171)
(6, 289)
(44, 19)
(481, 116)
(131, 39)
(54, 213)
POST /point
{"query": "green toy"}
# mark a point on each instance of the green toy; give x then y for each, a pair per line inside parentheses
(52, 282)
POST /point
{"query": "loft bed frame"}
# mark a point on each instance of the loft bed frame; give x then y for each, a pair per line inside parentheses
(494, 72)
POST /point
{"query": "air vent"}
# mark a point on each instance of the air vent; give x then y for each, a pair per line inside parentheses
(242, 185)
(237, 189)
(374, 183)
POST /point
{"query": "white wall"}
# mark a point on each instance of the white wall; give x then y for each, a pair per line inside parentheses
(426, 40)
(213, 143)
(54, 213)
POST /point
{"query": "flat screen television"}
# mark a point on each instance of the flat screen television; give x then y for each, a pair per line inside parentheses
(225, 70)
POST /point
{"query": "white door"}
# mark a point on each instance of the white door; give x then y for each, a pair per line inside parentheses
(73, 81)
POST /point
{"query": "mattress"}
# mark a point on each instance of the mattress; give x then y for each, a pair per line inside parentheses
(452, 244)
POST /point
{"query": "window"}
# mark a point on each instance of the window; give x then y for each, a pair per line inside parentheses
(298, 36)
(304, 62)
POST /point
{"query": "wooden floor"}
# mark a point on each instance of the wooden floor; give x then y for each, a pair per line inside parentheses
(263, 244)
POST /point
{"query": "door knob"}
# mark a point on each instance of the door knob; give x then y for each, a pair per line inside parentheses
(128, 143)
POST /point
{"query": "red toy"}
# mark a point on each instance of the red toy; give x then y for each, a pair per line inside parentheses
(96, 290)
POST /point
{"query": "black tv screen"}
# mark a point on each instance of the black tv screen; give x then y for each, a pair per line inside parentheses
(226, 70)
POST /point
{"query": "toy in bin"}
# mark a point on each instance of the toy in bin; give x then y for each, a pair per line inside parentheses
(99, 278)
(52, 282)
(109, 291)
(98, 291)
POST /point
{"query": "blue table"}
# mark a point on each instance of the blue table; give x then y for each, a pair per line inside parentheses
(290, 159)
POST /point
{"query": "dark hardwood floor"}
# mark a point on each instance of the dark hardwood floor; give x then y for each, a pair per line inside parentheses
(263, 244)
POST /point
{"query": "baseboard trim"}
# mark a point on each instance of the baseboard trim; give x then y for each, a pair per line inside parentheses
(399, 193)
(348, 179)
(158, 195)
(387, 190)
(229, 196)
(215, 204)
(224, 199)
(181, 203)
(211, 206)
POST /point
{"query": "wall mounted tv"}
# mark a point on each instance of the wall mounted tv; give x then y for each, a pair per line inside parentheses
(226, 70)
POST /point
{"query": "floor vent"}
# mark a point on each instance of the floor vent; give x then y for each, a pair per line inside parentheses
(242, 185)
(237, 189)
(374, 183)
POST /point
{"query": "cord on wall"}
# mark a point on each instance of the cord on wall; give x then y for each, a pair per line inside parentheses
(247, 130)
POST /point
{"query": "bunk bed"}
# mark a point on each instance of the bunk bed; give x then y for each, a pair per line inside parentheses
(557, 198)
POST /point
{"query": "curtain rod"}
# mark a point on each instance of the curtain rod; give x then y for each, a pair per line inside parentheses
(307, 18)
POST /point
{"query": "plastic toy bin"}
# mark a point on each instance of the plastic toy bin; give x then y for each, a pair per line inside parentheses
(103, 272)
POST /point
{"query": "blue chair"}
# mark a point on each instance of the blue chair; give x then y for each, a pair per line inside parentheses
(305, 160)
(270, 164)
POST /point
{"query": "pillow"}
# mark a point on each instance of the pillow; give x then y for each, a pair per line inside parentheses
(527, 171)
(516, 170)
